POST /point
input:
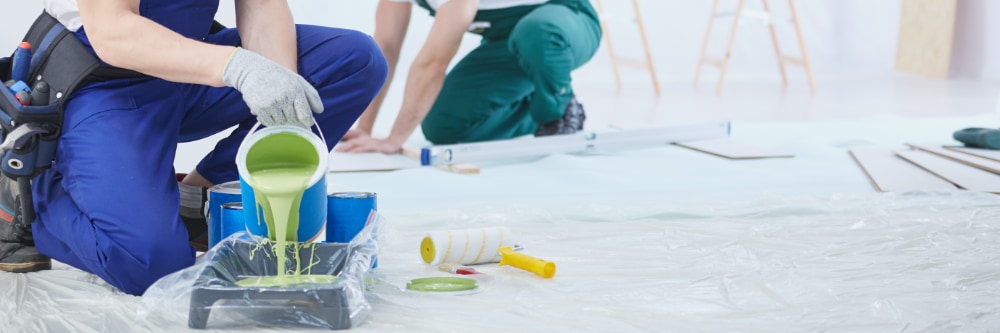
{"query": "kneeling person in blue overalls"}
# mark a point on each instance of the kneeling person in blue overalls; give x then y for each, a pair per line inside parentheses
(110, 203)
(516, 82)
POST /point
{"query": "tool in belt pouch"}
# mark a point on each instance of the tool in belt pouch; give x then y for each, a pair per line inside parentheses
(30, 132)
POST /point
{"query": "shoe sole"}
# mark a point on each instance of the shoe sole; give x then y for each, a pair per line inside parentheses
(199, 246)
(26, 267)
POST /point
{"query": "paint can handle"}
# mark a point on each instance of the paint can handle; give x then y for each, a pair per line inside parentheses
(258, 124)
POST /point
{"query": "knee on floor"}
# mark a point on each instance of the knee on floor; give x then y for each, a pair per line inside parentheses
(134, 267)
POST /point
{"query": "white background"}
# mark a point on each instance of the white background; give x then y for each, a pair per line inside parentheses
(850, 42)
(844, 37)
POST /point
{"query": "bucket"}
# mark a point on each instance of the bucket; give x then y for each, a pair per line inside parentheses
(232, 219)
(347, 213)
(217, 196)
(282, 147)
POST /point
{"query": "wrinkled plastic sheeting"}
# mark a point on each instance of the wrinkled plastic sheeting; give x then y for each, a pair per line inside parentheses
(177, 298)
(913, 262)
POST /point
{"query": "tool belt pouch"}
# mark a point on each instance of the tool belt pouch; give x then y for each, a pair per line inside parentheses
(30, 133)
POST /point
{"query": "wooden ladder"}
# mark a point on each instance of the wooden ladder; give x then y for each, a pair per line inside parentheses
(765, 15)
(646, 64)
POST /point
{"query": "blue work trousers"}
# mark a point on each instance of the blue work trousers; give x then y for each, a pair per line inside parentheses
(109, 205)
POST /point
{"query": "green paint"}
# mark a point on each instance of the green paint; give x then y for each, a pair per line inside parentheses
(442, 284)
(298, 275)
(285, 281)
(280, 166)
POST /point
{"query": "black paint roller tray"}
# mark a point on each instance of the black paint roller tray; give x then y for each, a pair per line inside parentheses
(315, 305)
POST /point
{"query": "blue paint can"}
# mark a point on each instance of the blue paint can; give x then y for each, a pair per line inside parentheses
(347, 214)
(285, 145)
(232, 219)
(217, 196)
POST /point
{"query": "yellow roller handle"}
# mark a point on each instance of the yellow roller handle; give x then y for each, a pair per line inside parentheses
(508, 256)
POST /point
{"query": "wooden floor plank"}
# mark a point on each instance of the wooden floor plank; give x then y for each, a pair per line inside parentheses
(975, 161)
(730, 149)
(980, 152)
(889, 173)
(964, 176)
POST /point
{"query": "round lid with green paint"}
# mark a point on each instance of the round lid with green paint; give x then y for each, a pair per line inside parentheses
(442, 284)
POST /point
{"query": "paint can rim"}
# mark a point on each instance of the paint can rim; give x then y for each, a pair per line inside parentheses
(226, 188)
(352, 195)
(235, 205)
(253, 137)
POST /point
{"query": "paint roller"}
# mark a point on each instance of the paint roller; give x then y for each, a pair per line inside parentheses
(480, 246)
(546, 269)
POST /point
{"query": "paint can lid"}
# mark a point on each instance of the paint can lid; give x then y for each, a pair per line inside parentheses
(352, 195)
(232, 187)
(457, 285)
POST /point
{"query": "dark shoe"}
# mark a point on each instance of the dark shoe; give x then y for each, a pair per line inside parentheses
(571, 121)
(17, 247)
(192, 211)
(21, 258)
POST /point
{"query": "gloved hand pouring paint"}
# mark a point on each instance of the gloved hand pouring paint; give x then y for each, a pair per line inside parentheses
(276, 95)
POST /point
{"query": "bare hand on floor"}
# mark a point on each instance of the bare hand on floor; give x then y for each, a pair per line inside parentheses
(357, 141)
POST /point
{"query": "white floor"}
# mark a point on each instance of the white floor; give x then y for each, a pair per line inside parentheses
(665, 238)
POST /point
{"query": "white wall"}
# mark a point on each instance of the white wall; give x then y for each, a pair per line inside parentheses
(845, 38)
(977, 40)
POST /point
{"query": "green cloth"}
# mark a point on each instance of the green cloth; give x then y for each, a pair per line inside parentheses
(519, 75)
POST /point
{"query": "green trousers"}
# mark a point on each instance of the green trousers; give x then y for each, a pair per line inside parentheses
(505, 88)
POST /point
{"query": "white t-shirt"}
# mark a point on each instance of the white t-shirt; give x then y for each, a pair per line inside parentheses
(484, 4)
(65, 11)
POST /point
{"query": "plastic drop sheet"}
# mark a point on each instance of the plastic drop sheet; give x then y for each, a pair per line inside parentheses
(914, 262)
(682, 242)
(207, 294)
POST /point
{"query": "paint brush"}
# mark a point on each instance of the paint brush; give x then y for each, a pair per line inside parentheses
(458, 269)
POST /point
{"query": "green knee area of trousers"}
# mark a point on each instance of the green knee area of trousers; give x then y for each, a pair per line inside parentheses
(504, 88)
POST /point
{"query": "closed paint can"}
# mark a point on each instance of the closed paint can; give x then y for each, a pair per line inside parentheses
(217, 196)
(347, 214)
(232, 220)
(285, 145)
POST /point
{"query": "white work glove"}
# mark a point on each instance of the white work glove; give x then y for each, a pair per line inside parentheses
(276, 95)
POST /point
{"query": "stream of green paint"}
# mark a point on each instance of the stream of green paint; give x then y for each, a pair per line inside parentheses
(279, 193)
(279, 172)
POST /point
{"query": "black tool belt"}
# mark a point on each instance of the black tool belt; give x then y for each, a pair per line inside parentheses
(29, 133)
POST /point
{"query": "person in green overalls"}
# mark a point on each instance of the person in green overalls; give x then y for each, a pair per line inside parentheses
(516, 82)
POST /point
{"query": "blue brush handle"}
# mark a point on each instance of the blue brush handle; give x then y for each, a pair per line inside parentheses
(21, 62)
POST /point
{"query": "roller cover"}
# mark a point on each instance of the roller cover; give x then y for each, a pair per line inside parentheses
(465, 246)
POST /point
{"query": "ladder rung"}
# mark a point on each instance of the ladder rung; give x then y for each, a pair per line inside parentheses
(792, 60)
(756, 14)
(725, 13)
(617, 18)
(632, 62)
(712, 61)
(749, 14)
